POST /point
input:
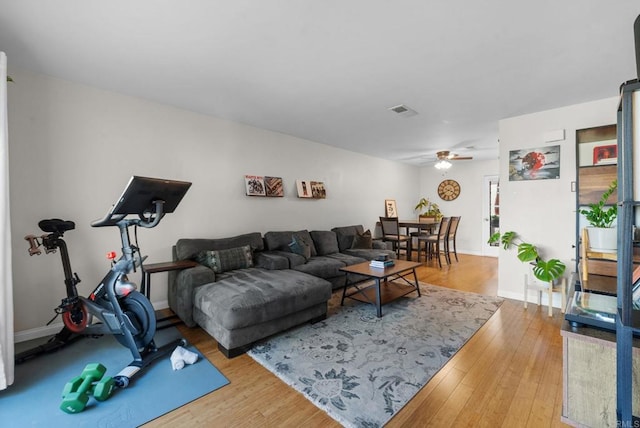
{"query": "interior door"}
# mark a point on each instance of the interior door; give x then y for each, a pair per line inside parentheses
(490, 214)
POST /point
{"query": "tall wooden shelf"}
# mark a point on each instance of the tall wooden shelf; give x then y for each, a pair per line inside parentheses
(593, 179)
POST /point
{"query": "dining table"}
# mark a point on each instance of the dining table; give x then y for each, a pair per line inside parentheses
(420, 227)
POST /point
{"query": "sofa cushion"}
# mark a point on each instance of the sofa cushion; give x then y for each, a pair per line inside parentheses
(370, 254)
(362, 241)
(293, 259)
(325, 241)
(347, 259)
(345, 235)
(189, 248)
(225, 260)
(252, 296)
(279, 240)
(321, 266)
(299, 246)
(270, 260)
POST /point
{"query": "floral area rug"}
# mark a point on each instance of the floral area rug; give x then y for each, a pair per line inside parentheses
(361, 369)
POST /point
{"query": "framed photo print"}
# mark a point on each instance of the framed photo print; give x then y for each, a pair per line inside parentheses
(304, 188)
(390, 209)
(605, 155)
(254, 185)
(317, 190)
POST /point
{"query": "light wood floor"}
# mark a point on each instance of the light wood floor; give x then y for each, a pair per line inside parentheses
(509, 374)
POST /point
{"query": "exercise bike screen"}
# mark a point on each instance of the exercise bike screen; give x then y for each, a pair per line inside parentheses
(141, 192)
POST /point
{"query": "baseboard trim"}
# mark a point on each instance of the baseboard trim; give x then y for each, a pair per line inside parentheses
(474, 253)
(37, 333)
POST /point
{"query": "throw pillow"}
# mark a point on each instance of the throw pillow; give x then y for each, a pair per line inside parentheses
(362, 241)
(225, 260)
(299, 246)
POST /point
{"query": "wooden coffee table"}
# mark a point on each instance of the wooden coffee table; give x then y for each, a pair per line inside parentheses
(396, 280)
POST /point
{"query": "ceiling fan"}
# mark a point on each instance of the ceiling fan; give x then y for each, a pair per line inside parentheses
(444, 156)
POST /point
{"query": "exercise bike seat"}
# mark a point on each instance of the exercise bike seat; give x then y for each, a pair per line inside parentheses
(55, 225)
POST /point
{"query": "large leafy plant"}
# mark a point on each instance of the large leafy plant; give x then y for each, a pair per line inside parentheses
(599, 216)
(544, 270)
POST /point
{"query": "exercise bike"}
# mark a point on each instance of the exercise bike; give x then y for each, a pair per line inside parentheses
(120, 310)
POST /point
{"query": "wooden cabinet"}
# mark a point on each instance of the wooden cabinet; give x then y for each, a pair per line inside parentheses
(589, 372)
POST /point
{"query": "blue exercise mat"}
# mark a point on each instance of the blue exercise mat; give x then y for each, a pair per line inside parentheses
(34, 398)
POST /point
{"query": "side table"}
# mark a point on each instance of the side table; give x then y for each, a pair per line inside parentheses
(150, 268)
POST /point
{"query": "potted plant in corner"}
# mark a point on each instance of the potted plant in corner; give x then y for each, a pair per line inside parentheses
(428, 209)
(545, 270)
(602, 235)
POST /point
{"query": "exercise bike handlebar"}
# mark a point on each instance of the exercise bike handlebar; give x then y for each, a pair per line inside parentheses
(120, 219)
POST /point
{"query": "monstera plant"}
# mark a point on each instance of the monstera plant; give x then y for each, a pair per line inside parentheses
(544, 270)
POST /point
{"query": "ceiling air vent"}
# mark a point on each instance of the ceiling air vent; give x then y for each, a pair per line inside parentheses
(403, 110)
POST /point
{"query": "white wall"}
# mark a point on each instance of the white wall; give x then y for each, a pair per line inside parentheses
(470, 176)
(73, 149)
(543, 211)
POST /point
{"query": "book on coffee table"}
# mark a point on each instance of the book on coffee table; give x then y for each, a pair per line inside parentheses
(380, 264)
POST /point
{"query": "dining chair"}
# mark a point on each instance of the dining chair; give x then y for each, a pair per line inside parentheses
(436, 243)
(425, 230)
(451, 237)
(391, 233)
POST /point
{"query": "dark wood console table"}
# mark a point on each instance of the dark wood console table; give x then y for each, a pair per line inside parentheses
(150, 268)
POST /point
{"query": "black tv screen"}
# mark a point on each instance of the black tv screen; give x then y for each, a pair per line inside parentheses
(141, 192)
(636, 34)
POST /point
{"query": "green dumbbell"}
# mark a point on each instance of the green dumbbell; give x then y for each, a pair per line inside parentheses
(75, 393)
(104, 388)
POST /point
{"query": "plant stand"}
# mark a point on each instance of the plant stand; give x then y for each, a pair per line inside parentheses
(531, 283)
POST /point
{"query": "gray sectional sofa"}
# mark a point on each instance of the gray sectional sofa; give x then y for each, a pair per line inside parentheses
(248, 287)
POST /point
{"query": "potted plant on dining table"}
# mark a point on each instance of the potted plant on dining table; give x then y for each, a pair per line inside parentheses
(428, 210)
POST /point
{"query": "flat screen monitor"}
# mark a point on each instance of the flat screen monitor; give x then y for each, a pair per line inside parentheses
(141, 192)
(636, 34)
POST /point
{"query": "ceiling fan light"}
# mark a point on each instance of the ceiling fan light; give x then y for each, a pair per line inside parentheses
(443, 164)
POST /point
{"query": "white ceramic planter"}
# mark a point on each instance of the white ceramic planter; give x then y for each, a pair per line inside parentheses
(603, 239)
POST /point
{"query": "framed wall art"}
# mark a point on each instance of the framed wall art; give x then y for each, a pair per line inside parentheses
(317, 190)
(311, 189)
(390, 209)
(304, 189)
(254, 185)
(273, 187)
(541, 163)
(605, 155)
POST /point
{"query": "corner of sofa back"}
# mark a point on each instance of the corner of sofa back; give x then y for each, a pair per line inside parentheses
(345, 235)
(279, 240)
(325, 241)
(188, 248)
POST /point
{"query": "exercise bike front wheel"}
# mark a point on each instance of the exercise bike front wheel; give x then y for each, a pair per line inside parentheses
(142, 315)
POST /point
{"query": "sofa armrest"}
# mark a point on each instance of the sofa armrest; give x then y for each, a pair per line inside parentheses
(181, 291)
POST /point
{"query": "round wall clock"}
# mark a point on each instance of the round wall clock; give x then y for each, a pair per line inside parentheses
(448, 190)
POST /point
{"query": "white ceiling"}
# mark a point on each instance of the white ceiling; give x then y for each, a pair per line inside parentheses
(328, 70)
